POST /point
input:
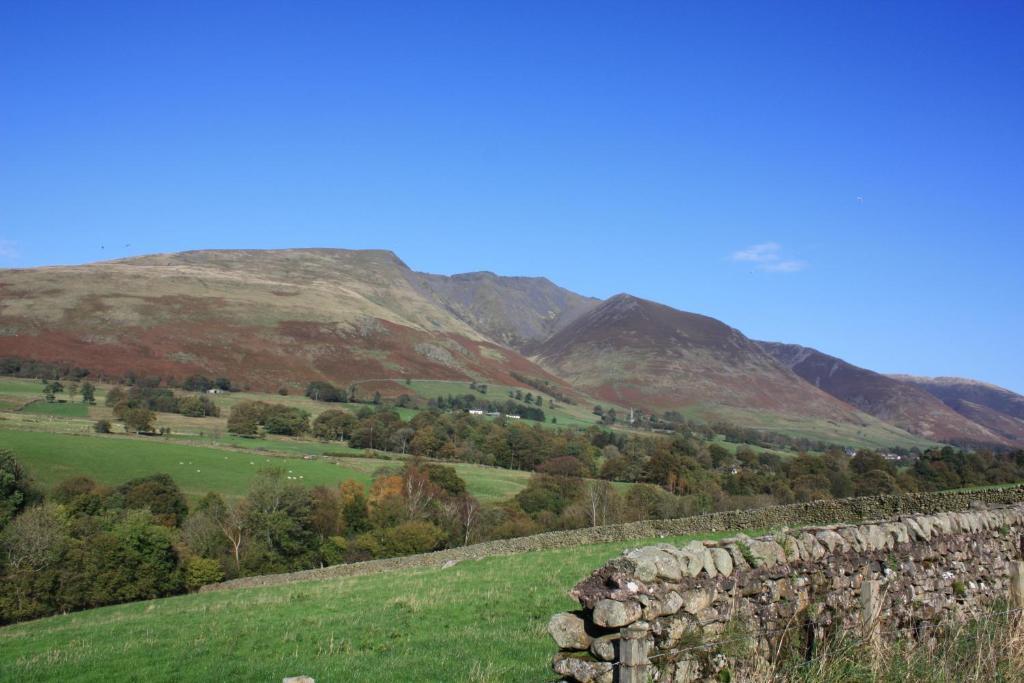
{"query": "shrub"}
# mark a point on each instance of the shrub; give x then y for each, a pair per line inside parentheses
(332, 551)
(102, 426)
(201, 571)
(408, 538)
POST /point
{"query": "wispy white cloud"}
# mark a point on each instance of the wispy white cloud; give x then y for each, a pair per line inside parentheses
(767, 257)
(788, 266)
(759, 253)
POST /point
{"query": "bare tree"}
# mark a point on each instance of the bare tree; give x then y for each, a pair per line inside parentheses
(469, 516)
(400, 439)
(598, 497)
(463, 514)
(233, 523)
(418, 491)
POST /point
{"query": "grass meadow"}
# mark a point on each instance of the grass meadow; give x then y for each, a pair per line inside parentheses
(53, 457)
(480, 620)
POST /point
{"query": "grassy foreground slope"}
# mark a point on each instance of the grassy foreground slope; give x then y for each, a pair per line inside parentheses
(480, 620)
(51, 458)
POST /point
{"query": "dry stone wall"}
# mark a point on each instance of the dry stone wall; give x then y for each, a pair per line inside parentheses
(798, 514)
(714, 605)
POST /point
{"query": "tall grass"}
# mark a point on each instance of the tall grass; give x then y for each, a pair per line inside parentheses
(982, 650)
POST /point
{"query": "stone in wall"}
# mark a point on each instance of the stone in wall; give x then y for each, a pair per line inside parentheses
(907, 575)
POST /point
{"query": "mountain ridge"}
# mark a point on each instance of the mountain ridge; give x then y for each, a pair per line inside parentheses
(904, 405)
(283, 317)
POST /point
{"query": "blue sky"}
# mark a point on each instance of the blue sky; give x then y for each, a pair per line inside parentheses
(844, 176)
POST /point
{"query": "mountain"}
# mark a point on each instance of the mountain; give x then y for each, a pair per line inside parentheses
(903, 404)
(997, 409)
(514, 311)
(262, 318)
(640, 353)
(272, 318)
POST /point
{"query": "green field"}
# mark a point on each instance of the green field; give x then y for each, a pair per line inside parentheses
(59, 409)
(567, 415)
(51, 458)
(480, 620)
(872, 434)
(25, 387)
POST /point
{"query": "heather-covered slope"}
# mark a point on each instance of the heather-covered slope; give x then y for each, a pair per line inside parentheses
(637, 352)
(898, 403)
(262, 318)
(997, 409)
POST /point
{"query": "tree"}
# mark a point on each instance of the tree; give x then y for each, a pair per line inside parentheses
(102, 426)
(463, 514)
(333, 425)
(134, 560)
(16, 491)
(197, 406)
(157, 493)
(876, 482)
(73, 390)
(234, 524)
(244, 419)
(88, 393)
(354, 511)
(284, 420)
(280, 520)
(598, 496)
(327, 517)
(36, 539)
(32, 547)
(138, 420)
(51, 388)
(401, 437)
(325, 391)
(197, 383)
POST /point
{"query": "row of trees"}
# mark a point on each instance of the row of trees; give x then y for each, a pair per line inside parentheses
(87, 545)
(53, 387)
(135, 406)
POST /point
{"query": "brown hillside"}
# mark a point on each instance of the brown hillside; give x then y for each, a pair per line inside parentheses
(262, 318)
(999, 410)
(898, 403)
(959, 388)
(637, 352)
